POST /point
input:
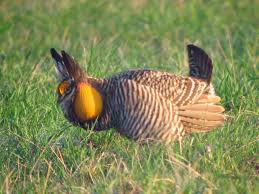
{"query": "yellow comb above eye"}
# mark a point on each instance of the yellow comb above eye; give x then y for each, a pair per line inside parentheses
(62, 87)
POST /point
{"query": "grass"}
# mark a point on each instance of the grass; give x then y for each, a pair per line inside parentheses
(40, 152)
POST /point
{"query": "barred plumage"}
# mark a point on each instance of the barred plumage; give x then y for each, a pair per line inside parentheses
(143, 112)
(142, 104)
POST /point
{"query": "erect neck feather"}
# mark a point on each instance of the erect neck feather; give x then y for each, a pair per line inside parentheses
(88, 103)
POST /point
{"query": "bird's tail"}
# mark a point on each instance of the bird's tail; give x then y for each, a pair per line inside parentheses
(202, 116)
(200, 64)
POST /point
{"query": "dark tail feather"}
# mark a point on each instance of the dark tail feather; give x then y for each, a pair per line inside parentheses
(200, 63)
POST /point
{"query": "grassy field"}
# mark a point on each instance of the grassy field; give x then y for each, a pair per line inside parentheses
(40, 152)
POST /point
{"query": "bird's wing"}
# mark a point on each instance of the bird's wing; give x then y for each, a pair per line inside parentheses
(140, 112)
(178, 89)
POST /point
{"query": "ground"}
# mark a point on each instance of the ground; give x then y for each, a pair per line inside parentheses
(40, 152)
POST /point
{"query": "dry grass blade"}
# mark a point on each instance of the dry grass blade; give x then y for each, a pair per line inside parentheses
(176, 162)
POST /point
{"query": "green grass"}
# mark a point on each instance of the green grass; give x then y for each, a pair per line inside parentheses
(40, 152)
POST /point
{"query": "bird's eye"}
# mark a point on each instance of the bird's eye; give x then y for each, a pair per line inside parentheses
(63, 87)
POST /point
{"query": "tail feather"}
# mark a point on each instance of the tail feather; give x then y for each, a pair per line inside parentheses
(202, 116)
(209, 107)
(208, 99)
(190, 127)
(201, 122)
(200, 63)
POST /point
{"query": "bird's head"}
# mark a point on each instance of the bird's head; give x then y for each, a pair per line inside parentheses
(79, 99)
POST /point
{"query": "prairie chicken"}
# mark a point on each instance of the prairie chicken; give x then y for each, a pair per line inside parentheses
(141, 104)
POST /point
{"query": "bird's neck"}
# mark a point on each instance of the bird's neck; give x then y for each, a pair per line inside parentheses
(88, 104)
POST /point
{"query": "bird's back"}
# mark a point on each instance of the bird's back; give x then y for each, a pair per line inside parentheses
(178, 89)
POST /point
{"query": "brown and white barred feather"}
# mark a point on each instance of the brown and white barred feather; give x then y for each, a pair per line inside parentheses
(141, 112)
(179, 89)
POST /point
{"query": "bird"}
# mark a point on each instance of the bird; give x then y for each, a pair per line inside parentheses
(141, 104)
